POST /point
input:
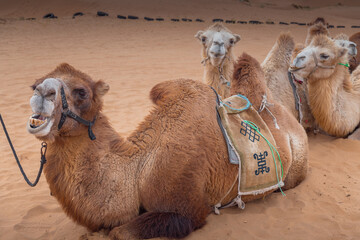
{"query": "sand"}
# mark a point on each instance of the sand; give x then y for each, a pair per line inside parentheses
(134, 55)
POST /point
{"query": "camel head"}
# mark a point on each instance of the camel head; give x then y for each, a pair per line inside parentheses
(342, 40)
(217, 43)
(83, 98)
(319, 59)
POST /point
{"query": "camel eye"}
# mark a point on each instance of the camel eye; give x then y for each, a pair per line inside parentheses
(203, 39)
(81, 93)
(50, 95)
(232, 41)
(324, 56)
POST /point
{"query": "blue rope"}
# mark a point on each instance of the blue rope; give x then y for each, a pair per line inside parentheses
(248, 104)
(272, 148)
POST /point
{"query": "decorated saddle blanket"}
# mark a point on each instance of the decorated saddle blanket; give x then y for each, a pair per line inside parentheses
(251, 145)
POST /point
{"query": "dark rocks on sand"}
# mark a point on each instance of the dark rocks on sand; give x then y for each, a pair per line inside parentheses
(77, 14)
(102, 14)
(50, 15)
(132, 17)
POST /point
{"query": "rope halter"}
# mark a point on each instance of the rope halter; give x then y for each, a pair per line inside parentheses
(265, 105)
(317, 65)
(222, 78)
(68, 113)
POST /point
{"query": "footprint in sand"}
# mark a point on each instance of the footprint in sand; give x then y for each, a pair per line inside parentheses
(38, 221)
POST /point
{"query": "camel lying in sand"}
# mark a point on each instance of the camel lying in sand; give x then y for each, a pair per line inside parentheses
(333, 98)
(164, 179)
(276, 66)
(217, 44)
(248, 80)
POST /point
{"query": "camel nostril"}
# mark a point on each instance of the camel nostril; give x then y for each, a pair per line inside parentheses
(216, 54)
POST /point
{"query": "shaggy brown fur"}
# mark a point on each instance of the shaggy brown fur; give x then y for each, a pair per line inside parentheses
(319, 20)
(318, 28)
(249, 80)
(174, 166)
(354, 62)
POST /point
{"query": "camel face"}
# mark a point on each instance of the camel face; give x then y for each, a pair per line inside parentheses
(217, 42)
(43, 103)
(318, 61)
(81, 94)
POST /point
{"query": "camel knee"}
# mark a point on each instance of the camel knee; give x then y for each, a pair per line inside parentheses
(156, 224)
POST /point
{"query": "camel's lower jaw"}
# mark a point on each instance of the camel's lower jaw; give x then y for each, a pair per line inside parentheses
(295, 69)
(298, 79)
(39, 125)
(216, 61)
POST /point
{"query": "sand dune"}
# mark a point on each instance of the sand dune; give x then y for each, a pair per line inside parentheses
(134, 55)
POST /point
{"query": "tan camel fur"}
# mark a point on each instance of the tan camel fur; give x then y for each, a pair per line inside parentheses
(161, 181)
(275, 67)
(249, 81)
(333, 99)
(342, 40)
(354, 62)
(318, 28)
(217, 44)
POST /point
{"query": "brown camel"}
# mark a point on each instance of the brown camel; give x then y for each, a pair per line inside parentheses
(217, 44)
(334, 100)
(276, 65)
(354, 62)
(249, 80)
(164, 179)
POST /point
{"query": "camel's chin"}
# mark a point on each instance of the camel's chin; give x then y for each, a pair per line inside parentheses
(39, 125)
(298, 79)
(216, 61)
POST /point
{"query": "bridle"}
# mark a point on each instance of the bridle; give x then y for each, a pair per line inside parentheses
(220, 67)
(68, 113)
(317, 65)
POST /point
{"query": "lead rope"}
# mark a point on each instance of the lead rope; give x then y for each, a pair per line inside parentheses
(221, 69)
(42, 161)
(265, 105)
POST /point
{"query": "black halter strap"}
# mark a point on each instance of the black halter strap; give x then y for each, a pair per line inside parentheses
(67, 113)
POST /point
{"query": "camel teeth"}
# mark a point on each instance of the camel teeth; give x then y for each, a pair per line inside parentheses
(36, 122)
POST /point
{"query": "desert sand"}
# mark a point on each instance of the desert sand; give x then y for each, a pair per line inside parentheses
(134, 55)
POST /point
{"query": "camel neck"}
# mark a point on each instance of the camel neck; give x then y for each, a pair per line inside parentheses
(336, 110)
(219, 77)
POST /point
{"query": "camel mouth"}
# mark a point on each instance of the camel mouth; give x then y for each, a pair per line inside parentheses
(295, 69)
(37, 122)
(298, 79)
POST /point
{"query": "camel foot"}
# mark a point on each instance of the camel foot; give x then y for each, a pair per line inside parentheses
(121, 233)
(93, 236)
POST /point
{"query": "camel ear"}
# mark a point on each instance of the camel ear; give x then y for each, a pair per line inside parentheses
(237, 38)
(198, 35)
(101, 88)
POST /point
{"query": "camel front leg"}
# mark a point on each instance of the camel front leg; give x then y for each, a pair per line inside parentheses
(156, 224)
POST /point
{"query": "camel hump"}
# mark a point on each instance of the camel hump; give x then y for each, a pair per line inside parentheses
(342, 36)
(170, 90)
(315, 30)
(355, 38)
(286, 41)
(244, 67)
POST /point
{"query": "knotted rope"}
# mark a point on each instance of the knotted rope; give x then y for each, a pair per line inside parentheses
(265, 105)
